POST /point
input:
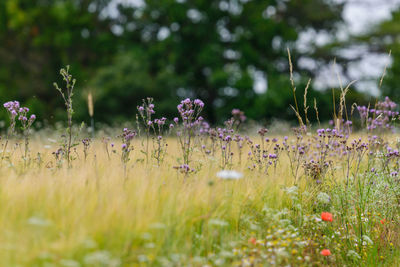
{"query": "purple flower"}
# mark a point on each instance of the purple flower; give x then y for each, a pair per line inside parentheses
(22, 118)
(199, 103)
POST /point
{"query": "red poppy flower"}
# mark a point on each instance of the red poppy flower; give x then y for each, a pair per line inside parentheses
(383, 221)
(253, 241)
(326, 216)
(325, 252)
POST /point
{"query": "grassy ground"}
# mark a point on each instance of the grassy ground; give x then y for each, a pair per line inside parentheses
(99, 214)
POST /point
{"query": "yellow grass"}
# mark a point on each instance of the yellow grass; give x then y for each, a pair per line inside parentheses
(97, 214)
(67, 213)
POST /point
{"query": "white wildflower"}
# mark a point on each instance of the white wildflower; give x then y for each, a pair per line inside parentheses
(367, 240)
(69, 263)
(217, 222)
(323, 198)
(38, 221)
(229, 175)
(353, 255)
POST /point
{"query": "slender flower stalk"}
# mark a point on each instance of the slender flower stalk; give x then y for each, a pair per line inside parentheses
(12, 108)
(26, 124)
(146, 110)
(189, 112)
(67, 95)
(17, 113)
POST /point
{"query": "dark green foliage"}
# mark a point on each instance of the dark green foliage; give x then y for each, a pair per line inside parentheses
(164, 49)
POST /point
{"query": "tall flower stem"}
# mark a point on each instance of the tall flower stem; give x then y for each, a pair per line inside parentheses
(67, 95)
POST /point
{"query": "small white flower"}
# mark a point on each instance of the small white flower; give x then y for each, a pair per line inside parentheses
(353, 255)
(367, 240)
(323, 198)
(229, 175)
(142, 258)
(38, 221)
(69, 263)
(218, 222)
(158, 225)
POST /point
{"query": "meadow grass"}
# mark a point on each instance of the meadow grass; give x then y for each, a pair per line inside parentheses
(98, 213)
(54, 213)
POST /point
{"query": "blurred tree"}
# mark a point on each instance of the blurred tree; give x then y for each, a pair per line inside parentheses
(40, 37)
(123, 85)
(216, 50)
(382, 39)
(219, 49)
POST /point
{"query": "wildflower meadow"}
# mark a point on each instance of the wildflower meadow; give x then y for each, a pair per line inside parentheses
(178, 191)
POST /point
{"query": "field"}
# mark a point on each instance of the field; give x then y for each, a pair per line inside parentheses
(96, 213)
(187, 194)
(176, 133)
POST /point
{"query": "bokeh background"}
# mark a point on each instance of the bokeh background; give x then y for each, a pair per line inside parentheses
(229, 53)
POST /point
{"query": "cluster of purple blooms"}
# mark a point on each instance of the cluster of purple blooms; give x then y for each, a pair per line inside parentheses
(225, 140)
(160, 122)
(238, 115)
(314, 155)
(15, 111)
(380, 117)
(237, 119)
(23, 118)
(184, 168)
(127, 136)
(392, 152)
(146, 110)
(158, 126)
(12, 107)
(311, 157)
(262, 156)
(149, 109)
(329, 133)
(189, 112)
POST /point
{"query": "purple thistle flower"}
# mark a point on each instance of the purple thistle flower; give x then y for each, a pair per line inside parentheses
(199, 103)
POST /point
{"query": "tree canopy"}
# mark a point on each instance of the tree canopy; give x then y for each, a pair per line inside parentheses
(218, 51)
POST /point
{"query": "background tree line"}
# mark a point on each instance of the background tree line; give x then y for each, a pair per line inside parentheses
(214, 50)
